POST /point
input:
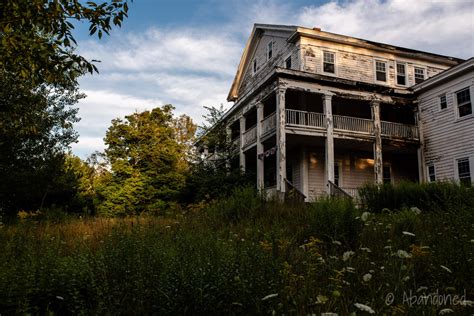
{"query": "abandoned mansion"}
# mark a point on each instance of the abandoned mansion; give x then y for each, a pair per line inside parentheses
(322, 113)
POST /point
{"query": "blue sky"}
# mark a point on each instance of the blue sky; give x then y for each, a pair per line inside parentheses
(186, 52)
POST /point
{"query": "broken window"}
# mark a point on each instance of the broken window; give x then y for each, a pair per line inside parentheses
(328, 62)
(431, 173)
(419, 75)
(288, 63)
(381, 71)
(464, 171)
(443, 102)
(464, 102)
(401, 74)
(269, 50)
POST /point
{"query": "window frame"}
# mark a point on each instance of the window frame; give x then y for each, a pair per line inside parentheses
(440, 97)
(466, 102)
(428, 166)
(414, 73)
(456, 165)
(255, 66)
(405, 66)
(386, 71)
(270, 48)
(288, 58)
(333, 63)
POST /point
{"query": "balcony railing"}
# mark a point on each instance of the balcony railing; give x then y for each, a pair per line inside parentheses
(355, 124)
(269, 124)
(250, 136)
(399, 130)
(304, 118)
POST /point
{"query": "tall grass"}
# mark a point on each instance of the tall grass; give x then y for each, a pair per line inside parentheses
(239, 255)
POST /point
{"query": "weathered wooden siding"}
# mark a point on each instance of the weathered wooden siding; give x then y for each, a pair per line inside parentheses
(358, 64)
(447, 137)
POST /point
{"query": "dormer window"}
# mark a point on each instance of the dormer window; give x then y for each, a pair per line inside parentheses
(380, 71)
(254, 66)
(269, 50)
(401, 74)
(329, 62)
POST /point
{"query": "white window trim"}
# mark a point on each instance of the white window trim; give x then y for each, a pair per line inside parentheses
(396, 73)
(386, 71)
(322, 62)
(456, 108)
(470, 158)
(428, 165)
(268, 50)
(424, 73)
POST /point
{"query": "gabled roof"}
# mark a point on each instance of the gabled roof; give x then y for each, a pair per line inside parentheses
(295, 32)
(446, 75)
(252, 42)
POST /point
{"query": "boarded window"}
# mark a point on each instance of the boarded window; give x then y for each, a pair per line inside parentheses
(269, 50)
(431, 173)
(464, 102)
(288, 63)
(387, 174)
(381, 71)
(419, 74)
(401, 74)
(464, 171)
(443, 103)
(329, 62)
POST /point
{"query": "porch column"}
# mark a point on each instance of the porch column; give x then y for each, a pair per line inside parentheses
(327, 105)
(305, 173)
(241, 149)
(422, 177)
(229, 139)
(260, 162)
(378, 163)
(281, 140)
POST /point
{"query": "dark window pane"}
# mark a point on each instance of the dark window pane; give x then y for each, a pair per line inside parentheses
(381, 76)
(387, 177)
(465, 109)
(464, 171)
(431, 172)
(288, 63)
(401, 80)
(329, 68)
(443, 102)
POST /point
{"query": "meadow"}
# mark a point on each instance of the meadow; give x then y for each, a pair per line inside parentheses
(244, 254)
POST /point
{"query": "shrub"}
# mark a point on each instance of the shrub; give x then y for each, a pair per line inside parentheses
(242, 203)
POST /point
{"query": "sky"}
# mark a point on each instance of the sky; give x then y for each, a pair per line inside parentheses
(186, 53)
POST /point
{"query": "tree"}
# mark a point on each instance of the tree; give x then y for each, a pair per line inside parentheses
(145, 152)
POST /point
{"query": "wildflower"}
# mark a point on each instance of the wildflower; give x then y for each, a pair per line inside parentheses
(336, 242)
(269, 296)
(408, 234)
(60, 298)
(367, 277)
(415, 210)
(446, 311)
(403, 254)
(364, 308)
(347, 255)
(446, 268)
(405, 279)
(366, 249)
(365, 216)
(321, 299)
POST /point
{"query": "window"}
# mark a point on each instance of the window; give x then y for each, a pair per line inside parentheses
(464, 171)
(254, 66)
(288, 63)
(328, 62)
(419, 75)
(464, 102)
(401, 74)
(443, 102)
(269, 50)
(336, 174)
(381, 71)
(431, 173)
(387, 174)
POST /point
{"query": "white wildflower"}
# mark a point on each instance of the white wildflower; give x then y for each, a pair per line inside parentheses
(366, 249)
(408, 234)
(364, 308)
(365, 216)
(405, 279)
(403, 254)
(350, 269)
(415, 210)
(269, 296)
(347, 255)
(336, 242)
(446, 311)
(367, 277)
(60, 298)
(446, 268)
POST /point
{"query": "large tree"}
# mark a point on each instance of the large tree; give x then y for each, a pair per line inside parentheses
(39, 69)
(146, 152)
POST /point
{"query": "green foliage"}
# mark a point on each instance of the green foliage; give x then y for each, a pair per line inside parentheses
(426, 196)
(147, 154)
(241, 204)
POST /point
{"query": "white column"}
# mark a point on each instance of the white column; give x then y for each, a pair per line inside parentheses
(281, 140)
(327, 105)
(241, 149)
(260, 162)
(378, 163)
(305, 173)
(422, 177)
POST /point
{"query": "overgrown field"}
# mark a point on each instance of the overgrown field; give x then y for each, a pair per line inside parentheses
(244, 255)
